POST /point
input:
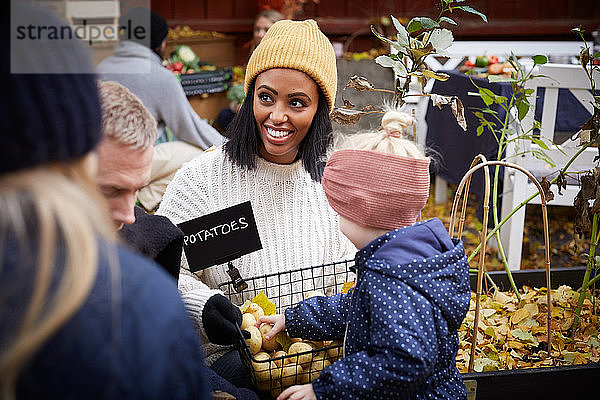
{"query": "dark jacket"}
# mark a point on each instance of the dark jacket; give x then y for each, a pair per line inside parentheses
(156, 237)
(401, 319)
(132, 339)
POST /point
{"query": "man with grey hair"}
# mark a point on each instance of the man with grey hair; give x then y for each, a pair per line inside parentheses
(124, 164)
(124, 167)
(125, 152)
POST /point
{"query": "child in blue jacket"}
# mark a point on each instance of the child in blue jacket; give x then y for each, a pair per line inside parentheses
(399, 323)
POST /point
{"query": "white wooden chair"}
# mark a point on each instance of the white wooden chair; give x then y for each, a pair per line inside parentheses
(469, 48)
(517, 186)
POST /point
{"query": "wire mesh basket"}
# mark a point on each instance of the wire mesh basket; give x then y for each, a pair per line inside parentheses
(274, 371)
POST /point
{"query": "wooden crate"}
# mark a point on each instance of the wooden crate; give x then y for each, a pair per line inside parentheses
(209, 105)
(219, 51)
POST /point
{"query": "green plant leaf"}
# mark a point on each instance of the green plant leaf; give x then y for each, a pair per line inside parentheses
(539, 59)
(392, 43)
(473, 11)
(448, 20)
(540, 143)
(440, 76)
(480, 130)
(500, 78)
(577, 30)
(428, 23)
(522, 108)
(487, 96)
(418, 23)
(414, 25)
(403, 38)
(544, 157)
(441, 39)
(385, 61)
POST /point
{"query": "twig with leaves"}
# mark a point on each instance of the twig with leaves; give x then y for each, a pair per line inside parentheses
(422, 37)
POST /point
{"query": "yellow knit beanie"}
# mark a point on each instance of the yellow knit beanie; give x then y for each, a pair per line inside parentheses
(297, 45)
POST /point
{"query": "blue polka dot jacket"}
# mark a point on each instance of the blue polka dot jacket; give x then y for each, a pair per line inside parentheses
(399, 322)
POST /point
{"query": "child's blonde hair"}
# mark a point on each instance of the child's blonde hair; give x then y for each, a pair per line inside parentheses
(378, 179)
(391, 138)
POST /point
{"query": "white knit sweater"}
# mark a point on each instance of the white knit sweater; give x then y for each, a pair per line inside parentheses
(297, 227)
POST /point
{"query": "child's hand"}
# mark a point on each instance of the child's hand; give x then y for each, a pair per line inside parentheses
(298, 392)
(278, 322)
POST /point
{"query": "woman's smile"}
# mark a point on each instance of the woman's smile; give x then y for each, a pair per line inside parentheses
(285, 103)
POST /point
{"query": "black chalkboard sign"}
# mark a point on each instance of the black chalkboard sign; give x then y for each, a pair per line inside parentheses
(220, 237)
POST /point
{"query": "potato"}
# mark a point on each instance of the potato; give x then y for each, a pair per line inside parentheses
(255, 310)
(268, 385)
(270, 371)
(313, 293)
(255, 341)
(265, 370)
(276, 390)
(315, 344)
(248, 320)
(304, 376)
(260, 366)
(335, 353)
(320, 356)
(271, 344)
(319, 365)
(289, 374)
(301, 347)
(278, 354)
(313, 374)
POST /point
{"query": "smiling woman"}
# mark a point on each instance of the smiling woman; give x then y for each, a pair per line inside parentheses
(284, 106)
(275, 157)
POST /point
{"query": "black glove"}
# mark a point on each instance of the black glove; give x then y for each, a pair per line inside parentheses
(221, 320)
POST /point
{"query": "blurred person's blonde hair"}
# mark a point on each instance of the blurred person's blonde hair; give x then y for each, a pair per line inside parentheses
(58, 209)
(124, 116)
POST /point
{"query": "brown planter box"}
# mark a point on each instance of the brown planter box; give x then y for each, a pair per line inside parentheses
(535, 383)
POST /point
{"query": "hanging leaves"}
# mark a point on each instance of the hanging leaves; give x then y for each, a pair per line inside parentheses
(548, 194)
(350, 116)
(456, 105)
(421, 37)
(359, 83)
(561, 182)
(345, 116)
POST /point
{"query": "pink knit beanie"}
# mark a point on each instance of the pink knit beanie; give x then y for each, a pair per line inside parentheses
(376, 189)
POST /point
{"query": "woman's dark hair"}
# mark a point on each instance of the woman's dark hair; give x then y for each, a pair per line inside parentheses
(242, 147)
